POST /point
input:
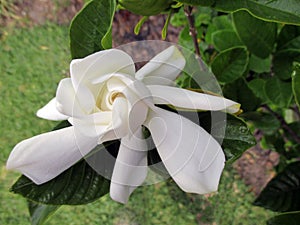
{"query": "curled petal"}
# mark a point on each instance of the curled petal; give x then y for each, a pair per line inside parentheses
(43, 157)
(67, 103)
(93, 125)
(192, 157)
(50, 112)
(191, 100)
(163, 69)
(100, 63)
(130, 169)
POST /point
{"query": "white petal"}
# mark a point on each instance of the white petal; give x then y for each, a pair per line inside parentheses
(99, 64)
(130, 169)
(120, 117)
(43, 157)
(163, 69)
(50, 112)
(93, 125)
(67, 102)
(191, 100)
(192, 157)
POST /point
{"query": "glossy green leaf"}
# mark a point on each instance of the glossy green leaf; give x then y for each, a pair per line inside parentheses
(218, 23)
(259, 36)
(287, 34)
(90, 30)
(198, 2)
(257, 86)
(230, 65)
(79, 184)
(296, 84)
(265, 122)
(260, 65)
(239, 91)
(39, 213)
(282, 193)
(225, 39)
(281, 11)
(290, 218)
(238, 137)
(279, 92)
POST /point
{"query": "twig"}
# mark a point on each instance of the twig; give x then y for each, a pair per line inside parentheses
(193, 32)
(283, 123)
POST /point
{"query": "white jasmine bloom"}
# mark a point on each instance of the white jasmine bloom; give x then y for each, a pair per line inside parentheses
(105, 99)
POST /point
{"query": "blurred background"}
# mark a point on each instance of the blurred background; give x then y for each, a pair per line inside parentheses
(34, 56)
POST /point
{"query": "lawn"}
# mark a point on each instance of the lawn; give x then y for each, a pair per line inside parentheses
(32, 61)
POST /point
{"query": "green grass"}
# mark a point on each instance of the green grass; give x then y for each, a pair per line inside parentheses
(32, 61)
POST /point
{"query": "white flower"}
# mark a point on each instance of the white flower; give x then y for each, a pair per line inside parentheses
(105, 99)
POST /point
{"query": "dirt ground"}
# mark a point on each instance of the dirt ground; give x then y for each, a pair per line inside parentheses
(256, 166)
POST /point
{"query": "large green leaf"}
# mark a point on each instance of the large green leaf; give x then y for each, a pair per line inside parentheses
(287, 51)
(279, 92)
(291, 218)
(287, 34)
(259, 36)
(39, 213)
(238, 138)
(90, 30)
(281, 11)
(265, 122)
(198, 2)
(233, 134)
(239, 91)
(282, 193)
(230, 64)
(79, 184)
(296, 84)
(225, 39)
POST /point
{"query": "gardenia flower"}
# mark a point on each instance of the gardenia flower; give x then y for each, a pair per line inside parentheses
(106, 99)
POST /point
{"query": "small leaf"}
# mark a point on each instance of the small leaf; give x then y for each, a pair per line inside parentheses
(282, 193)
(90, 30)
(225, 39)
(218, 23)
(257, 86)
(259, 36)
(79, 184)
(39, 213)
(230, 65)
(290, 218)
(296, 84)
(279, 92)
(260, 65)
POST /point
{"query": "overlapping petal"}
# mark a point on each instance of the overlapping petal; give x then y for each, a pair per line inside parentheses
(99, 64)
(192, 157)
(45, 156)
(130, 169)
(191, 100)
(163, 69)
(50, 112)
